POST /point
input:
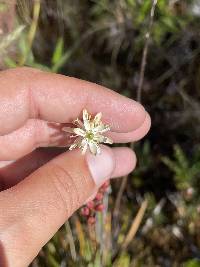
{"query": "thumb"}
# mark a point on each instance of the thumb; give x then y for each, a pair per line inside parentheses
(33, 210)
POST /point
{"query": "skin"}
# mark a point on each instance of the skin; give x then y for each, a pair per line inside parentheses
(42, 186)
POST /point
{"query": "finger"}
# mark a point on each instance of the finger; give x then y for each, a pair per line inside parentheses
(134, 135)
(38, 133)
(34, 134)
(125, 159)
(26, 93)
(12, 172)
(41, 203)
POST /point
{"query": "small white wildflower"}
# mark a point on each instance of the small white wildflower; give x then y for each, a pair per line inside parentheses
(89, 133)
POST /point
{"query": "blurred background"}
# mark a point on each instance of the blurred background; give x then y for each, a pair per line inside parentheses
(149, 51)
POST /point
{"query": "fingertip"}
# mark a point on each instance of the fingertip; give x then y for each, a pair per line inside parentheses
(141, 131)
(130, 115)
(111, 163)
(125, 161)
(132, 136)
(139, 115)
(101, 166)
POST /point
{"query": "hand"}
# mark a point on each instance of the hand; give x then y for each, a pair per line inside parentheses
(42, 187)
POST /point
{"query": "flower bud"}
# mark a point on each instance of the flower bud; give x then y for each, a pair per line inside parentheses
(99, 196)
(99, 207)
(85, 211)
(91, 220)
(91, 204)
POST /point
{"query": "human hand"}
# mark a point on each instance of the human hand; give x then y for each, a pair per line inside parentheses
(42, 187)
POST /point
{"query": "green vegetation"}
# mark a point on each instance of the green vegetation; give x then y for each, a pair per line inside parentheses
(156, 219)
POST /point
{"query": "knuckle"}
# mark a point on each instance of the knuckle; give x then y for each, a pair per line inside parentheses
(65, 188)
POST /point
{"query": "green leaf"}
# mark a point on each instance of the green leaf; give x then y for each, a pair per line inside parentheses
(52, 261)
(58, 52)
(144, 11)
(192, 263)
(10, 63)
(10, 38)
(123, 260)
(38, 66)
(180, 157)
(63, 60)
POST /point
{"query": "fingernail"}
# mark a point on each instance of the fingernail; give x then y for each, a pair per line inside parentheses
(101, 166)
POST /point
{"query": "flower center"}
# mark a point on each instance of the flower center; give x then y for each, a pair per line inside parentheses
(89, 135)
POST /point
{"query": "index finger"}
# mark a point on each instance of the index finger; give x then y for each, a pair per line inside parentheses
(27, 93)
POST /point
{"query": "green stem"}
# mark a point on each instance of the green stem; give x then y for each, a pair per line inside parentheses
(32, 31)
(71, 241)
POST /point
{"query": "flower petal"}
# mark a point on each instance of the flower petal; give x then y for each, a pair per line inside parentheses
(76, 143)
(68, 129)
(93, 148)
(73, 146)
(97, 119)
(98, 149)
(85, 115)
(84, 148)
(98, 138)
(107, 140)
(78, 123)
(79, 132)
(86, 120)
(103, 139)
(83, 142)
(102, 128)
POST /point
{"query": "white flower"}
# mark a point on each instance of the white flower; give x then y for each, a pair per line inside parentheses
(89, 133)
